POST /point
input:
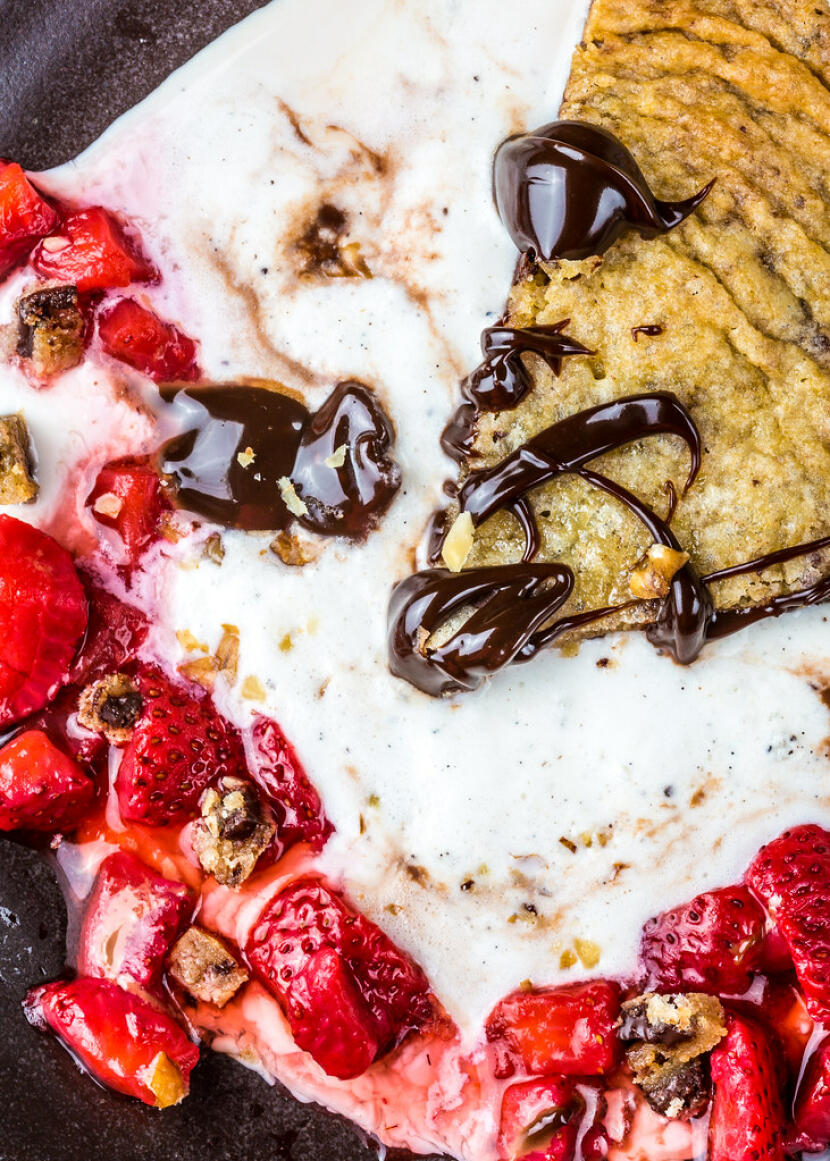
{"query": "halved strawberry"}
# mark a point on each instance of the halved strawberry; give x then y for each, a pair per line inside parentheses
(811, 1118)
(180, 745)
(297, 808)
(747, 1114)
(791, 877)
(24, 215)
(115, 633)
(383, 993)
(128, 497)
(540, 1120)
(43, 614)
(135, 335)
(712, 944)
(566, 1031)
(124, 1042)
(132, 918)
(92, 251)
(41, 788)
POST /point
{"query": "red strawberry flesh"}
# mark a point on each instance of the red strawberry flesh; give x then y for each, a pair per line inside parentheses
(128, 498)
(296, 805)
(135, 335)
(24, 215)
(41, 788)
(747, 1114)
(131, 920)
(43, 614)
(115, 1035)
(308, 917)
(540, 1120)
(811, 1118)
(91, 250)
(567, 1031)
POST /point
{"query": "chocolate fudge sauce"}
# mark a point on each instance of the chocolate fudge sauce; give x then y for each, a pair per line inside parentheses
(240, 443)
(570, 189)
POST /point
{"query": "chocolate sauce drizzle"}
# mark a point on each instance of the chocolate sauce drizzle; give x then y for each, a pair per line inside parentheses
(239, 442)
(570, 189)
(501, 380)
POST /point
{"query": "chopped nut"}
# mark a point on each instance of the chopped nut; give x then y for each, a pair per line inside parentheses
(337, 457)
(246, 458)
(290, 498)
(589, 952)
(567, 959)
(110, 707)
(651, 577)
(669, 1037)
(108, 504)
(205, 670)
(50, 328)
(458, 542)
(17, 482)
(204, 967)
(233, 831)
(214, 548)
(253, 689)
(165, 1081)
(294, 550)
(190, 643)
(352, 262)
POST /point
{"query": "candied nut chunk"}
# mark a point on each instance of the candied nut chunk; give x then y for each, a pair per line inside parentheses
(110, 706)
(50, 329)
(294, 550)
(204, 967)
(669, 1040)
(653, 573)
(17, 482)
(233, 831)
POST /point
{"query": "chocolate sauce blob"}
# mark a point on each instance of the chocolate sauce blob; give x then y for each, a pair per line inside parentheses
(239, 444)
(570, 189)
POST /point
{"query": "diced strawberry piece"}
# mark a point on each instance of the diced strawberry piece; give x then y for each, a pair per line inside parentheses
(115, 633)
(59, 721)
(128, 497)
(92, 251)
(775, 954)
(135, 335)
(121, 1039)
(567, 1031)
(540, 1120)
(283, 946)
(180, 745)
(24, 215)
(747, 1114)
(297, 808)
(712, 944)
(131, 920)
(43, 614)
(781, 1009)
(40, 787)
(811, 1119)
(791, 877)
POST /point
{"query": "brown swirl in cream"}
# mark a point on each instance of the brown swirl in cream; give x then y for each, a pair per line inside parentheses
(240, 444)
(502, 380)
(570, 189)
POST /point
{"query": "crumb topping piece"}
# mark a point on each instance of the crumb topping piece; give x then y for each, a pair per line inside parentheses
(17, 481)
(670, 1038)
(233, 831)
(111, 706)
(50, 329)
(202, 965)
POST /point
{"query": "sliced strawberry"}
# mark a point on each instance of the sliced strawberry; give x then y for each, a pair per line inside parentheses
(41, 788)
(180, 745)
(298, 811)
(540, 1120)
(24, 215)
(747, 1114)
(567, 1031)
(115, 633)
(712, 944)
(43, 614)
(128, 497)
(811, 1119)
(124, 1042)
(92, 251)
(381, 988)
(135, 335)
(132, 918)
(791, 877)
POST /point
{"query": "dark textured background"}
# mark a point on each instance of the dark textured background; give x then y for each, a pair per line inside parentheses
(67, 68)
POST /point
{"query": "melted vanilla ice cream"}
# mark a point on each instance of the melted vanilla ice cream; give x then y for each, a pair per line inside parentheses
(501, 835)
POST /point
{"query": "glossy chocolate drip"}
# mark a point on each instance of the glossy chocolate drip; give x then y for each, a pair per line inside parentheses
(570, 189)
(511, 603)
(571, 443)
(650, 330)
(239, 442)
(502, 380)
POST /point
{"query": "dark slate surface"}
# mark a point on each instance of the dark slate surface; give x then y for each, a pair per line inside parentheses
(67, 68)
